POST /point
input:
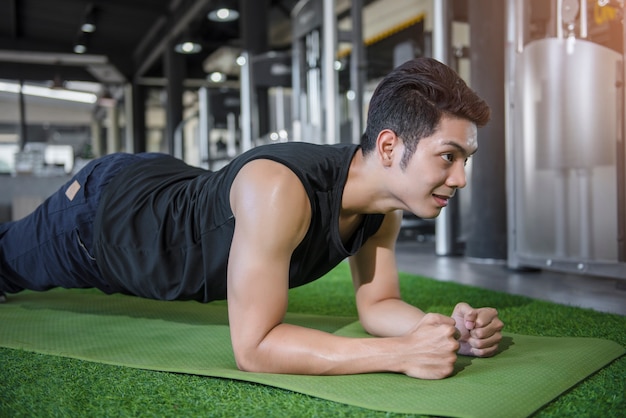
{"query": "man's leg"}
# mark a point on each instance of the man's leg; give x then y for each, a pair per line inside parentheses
(52, 247)
(42, 250)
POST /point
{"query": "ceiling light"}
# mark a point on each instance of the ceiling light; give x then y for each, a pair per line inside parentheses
(188, 47)
(217, 77)
(89, 21)
(73, 96)
(241, 60)
(80, 47)
(223, 12)
(88, 27)
(224, 15)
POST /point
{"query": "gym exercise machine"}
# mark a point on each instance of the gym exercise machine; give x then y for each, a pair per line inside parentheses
(565, 136)
(316, 111)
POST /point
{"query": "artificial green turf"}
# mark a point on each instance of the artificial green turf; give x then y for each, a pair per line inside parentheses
(39, 385)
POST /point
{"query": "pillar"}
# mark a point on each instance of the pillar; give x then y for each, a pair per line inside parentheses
(487, 237)
(254, 30)
(175, 74)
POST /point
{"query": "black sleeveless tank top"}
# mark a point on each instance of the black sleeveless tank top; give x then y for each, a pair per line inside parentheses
(163, 229)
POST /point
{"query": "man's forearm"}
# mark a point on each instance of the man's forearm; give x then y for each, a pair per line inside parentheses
(296, 350)
(390, 318)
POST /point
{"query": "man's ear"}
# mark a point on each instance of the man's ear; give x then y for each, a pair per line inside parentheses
(386, 145)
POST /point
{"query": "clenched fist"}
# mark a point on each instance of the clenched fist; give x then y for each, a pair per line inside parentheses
(432, 347)
(479, 330)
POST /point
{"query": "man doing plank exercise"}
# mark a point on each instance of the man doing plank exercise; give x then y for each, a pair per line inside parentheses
(278, 216)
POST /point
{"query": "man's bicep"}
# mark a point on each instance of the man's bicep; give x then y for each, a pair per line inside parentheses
(257, 289)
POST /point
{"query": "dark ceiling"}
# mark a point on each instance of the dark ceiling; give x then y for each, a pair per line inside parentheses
(37, 37)
(132, 37)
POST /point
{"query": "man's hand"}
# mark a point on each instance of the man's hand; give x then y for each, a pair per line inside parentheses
(479, 330)
(432, 348)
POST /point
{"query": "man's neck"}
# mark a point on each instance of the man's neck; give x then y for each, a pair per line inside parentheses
(364, 191)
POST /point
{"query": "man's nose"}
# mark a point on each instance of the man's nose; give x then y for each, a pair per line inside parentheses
(457, 177)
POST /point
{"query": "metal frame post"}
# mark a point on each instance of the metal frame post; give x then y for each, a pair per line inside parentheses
(329, 75)
(357, 70)
(204, 127)
(445, 223)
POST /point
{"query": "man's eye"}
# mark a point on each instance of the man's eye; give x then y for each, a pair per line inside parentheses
(448, 157)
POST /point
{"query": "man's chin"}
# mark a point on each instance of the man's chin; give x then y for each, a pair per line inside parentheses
(428, 215)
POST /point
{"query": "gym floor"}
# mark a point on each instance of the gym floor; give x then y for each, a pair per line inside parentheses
(597, 293)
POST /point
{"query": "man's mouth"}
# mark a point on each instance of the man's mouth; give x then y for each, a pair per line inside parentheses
(441, 200)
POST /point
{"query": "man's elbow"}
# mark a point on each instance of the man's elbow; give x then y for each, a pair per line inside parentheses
(247, 360)
(369, 325)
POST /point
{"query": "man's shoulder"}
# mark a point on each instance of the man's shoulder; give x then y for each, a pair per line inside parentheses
(298, 146)
(301, 156)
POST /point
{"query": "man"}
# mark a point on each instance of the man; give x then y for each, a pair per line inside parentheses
(277, 217)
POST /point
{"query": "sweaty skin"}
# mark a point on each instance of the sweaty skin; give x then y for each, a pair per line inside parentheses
(272, 213)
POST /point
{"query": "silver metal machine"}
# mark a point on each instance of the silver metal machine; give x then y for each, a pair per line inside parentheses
(314, 78)
(318, 111)
(566, 173)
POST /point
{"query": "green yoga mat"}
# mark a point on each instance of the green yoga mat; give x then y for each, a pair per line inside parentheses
(189, 337)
